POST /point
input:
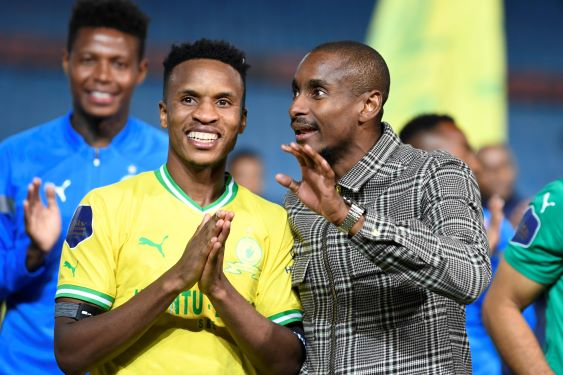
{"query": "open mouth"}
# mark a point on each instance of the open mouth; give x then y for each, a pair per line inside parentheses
(101, 97)
(302, 133)
(202, 139)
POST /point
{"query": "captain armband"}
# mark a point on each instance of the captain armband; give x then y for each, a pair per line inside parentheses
(76, 311)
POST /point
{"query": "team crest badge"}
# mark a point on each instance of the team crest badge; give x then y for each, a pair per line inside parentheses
(249, 254)
(80, 226)
(527, 229)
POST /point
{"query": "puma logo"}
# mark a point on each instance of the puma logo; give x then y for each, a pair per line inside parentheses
(60, 190)
(158, 246)
(546, 203)
(70, 267)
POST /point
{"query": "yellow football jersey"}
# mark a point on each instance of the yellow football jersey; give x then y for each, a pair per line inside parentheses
(124, 236)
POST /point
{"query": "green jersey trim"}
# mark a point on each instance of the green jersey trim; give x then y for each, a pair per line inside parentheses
(286, 317)
(101, 300)
(231, 189)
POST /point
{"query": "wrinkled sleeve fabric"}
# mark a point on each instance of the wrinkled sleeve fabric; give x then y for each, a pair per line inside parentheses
(445, 248)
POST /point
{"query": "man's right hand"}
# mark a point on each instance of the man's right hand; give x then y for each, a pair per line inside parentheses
(42, 223)
(317, 190)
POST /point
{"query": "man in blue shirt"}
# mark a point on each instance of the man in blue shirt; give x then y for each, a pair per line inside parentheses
(96, 144)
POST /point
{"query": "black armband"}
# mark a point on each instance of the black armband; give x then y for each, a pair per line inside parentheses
(76, 311)
(297, 329)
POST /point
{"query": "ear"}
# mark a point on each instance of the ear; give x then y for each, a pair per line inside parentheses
(372, 106)
(242, 121)
(163, 114)
(65, 61)
(143, 69)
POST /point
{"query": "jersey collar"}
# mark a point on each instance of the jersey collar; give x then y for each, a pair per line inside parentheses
(166, 180)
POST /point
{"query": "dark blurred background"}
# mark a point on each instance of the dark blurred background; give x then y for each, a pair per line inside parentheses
(275, 35)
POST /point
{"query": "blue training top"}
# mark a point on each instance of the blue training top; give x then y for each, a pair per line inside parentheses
(484, 356)
(56, 153)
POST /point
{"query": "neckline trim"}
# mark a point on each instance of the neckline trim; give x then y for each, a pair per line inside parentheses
(166, 180)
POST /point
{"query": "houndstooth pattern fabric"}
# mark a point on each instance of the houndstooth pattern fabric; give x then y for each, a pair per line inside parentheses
(390, 300)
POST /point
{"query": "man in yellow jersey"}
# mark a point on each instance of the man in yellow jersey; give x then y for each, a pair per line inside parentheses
(180, 269)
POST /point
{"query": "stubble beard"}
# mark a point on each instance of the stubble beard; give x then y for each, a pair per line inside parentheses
(336, 153)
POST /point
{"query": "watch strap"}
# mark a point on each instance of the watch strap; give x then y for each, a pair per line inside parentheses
(354, 215)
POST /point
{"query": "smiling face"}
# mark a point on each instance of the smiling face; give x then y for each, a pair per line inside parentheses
(103, 68)
(325, 112)
(203, 112)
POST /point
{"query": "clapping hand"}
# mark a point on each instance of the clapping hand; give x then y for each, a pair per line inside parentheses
(42, 223)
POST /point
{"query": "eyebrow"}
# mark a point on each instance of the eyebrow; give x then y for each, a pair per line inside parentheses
(311, 83)
(317, 82)
(224, 94)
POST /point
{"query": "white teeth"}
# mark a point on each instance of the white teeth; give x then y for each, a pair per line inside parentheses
(204, 137)
(100, 95)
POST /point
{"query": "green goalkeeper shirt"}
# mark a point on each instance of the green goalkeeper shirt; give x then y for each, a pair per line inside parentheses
(536, 251)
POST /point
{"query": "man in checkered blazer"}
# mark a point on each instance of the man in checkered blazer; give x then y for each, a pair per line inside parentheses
(389, 240)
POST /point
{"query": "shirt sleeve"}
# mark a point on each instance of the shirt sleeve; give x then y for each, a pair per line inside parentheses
(536, 250)
(13, 241)
(87, 268)
(275, 299)
(445, 249)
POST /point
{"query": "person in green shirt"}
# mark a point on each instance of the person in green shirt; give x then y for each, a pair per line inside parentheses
(533, 265)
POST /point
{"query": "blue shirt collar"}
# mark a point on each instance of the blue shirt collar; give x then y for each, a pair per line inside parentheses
(76, 140)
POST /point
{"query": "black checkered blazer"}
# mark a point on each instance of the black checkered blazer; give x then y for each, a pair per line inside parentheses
(390, 300)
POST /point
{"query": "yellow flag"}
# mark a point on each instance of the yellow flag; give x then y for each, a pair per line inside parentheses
(444, 56)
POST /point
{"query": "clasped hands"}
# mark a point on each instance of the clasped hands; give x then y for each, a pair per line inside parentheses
(202, 260)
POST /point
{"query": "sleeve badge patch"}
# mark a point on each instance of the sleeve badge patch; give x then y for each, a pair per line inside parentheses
(80, 227)
(527, 229)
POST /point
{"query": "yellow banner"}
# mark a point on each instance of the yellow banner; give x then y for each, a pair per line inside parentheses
(444, 56)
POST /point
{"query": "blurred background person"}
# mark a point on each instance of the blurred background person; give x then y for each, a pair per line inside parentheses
(95, 144)
(498, 177)
(432, 131)
(440, 132)
(247, 168)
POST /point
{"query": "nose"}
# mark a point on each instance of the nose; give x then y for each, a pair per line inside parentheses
(298, 106)
(102, 72)
(205, 112)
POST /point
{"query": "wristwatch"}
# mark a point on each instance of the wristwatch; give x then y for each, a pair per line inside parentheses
(354, 214)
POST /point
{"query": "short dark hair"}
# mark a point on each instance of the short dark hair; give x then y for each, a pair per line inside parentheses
(121, 15)
(422, 124)
(368, 70)
(206, 49)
